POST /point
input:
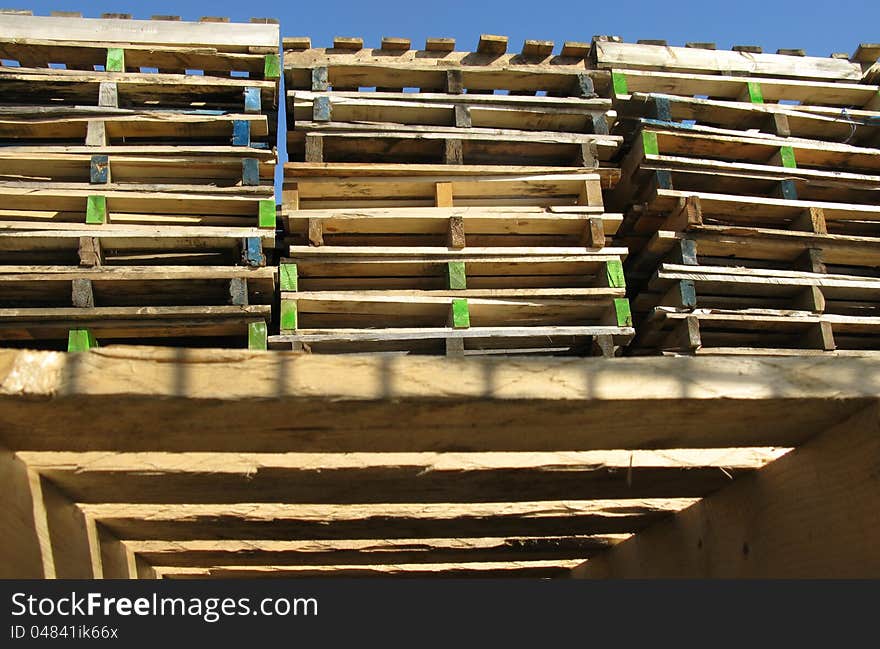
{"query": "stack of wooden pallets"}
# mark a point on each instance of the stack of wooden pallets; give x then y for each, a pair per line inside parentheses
(446, 201)
(136, 174)
(750, 192)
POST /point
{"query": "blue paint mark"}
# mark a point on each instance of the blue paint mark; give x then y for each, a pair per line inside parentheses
(241, 133)
(252, 100)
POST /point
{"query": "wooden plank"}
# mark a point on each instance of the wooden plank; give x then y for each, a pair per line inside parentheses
(26, 548)
(428, 71)
(393, 44)
(266, 402)
(49, 537)
(491, 44)
(487, 570)
(802, 121)
(761, 150)
(807, 92)
(348, 43)
(388, 478)
(439, 44)
(680, 59)
(510, 112)
(231, 36)
(777, 523)
(370, 552)
(271, 521)
(129, 322)
(117, 560)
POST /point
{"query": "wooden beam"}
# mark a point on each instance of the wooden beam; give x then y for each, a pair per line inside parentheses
(393, 477)
(811, 514)
(273, 521)
(370, 551)
(26, 551)
(493, 570)
(276, 402)
(117, 560)
(46, 535)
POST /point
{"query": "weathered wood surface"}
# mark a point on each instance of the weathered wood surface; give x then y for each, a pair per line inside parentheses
(222, 36)
(211, 400)
(369, 551)
(780, 522)
(608, 54)
(397, 477)
(285, 522)
(477, 569)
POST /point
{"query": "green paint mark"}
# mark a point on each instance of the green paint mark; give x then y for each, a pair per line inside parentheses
(288, 315)
(786, 155)
(614, 272)
(115, 59)
(96, 210)
(624, 315)
(257, 335)
(649, 143)
(267, 213)
(456, 275)
(272, 66)
(461, 317)
(618, 82)
(289, 277)
(756, 95)
(80, 340)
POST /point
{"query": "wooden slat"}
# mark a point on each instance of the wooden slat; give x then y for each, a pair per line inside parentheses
(268, 521)
(387, 478)
(488, 570)
(369, 552)
(193, 34)
(681, 59)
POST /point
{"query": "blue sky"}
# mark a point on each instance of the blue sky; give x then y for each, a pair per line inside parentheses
(819, 28)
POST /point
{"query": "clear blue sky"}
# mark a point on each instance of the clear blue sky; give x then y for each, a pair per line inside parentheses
(818, 27)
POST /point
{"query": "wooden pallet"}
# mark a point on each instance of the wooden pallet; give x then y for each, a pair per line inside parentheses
(73, 203)
(732, 287)
(177, 304)
(512, 112)
(851, 126)
(329, 186)
(759, 331)
(225, 169)
(208, 48)
(669, 209)
(469, 274)
(463, 303)
(85, 328)
(439, 68)
(444, 207)
(45, 125)
(762, 248)
(722, 144)
(337, 142)
(29, 243)
(65, 286)
(699, 176)
(448, 228)
(134, 90)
